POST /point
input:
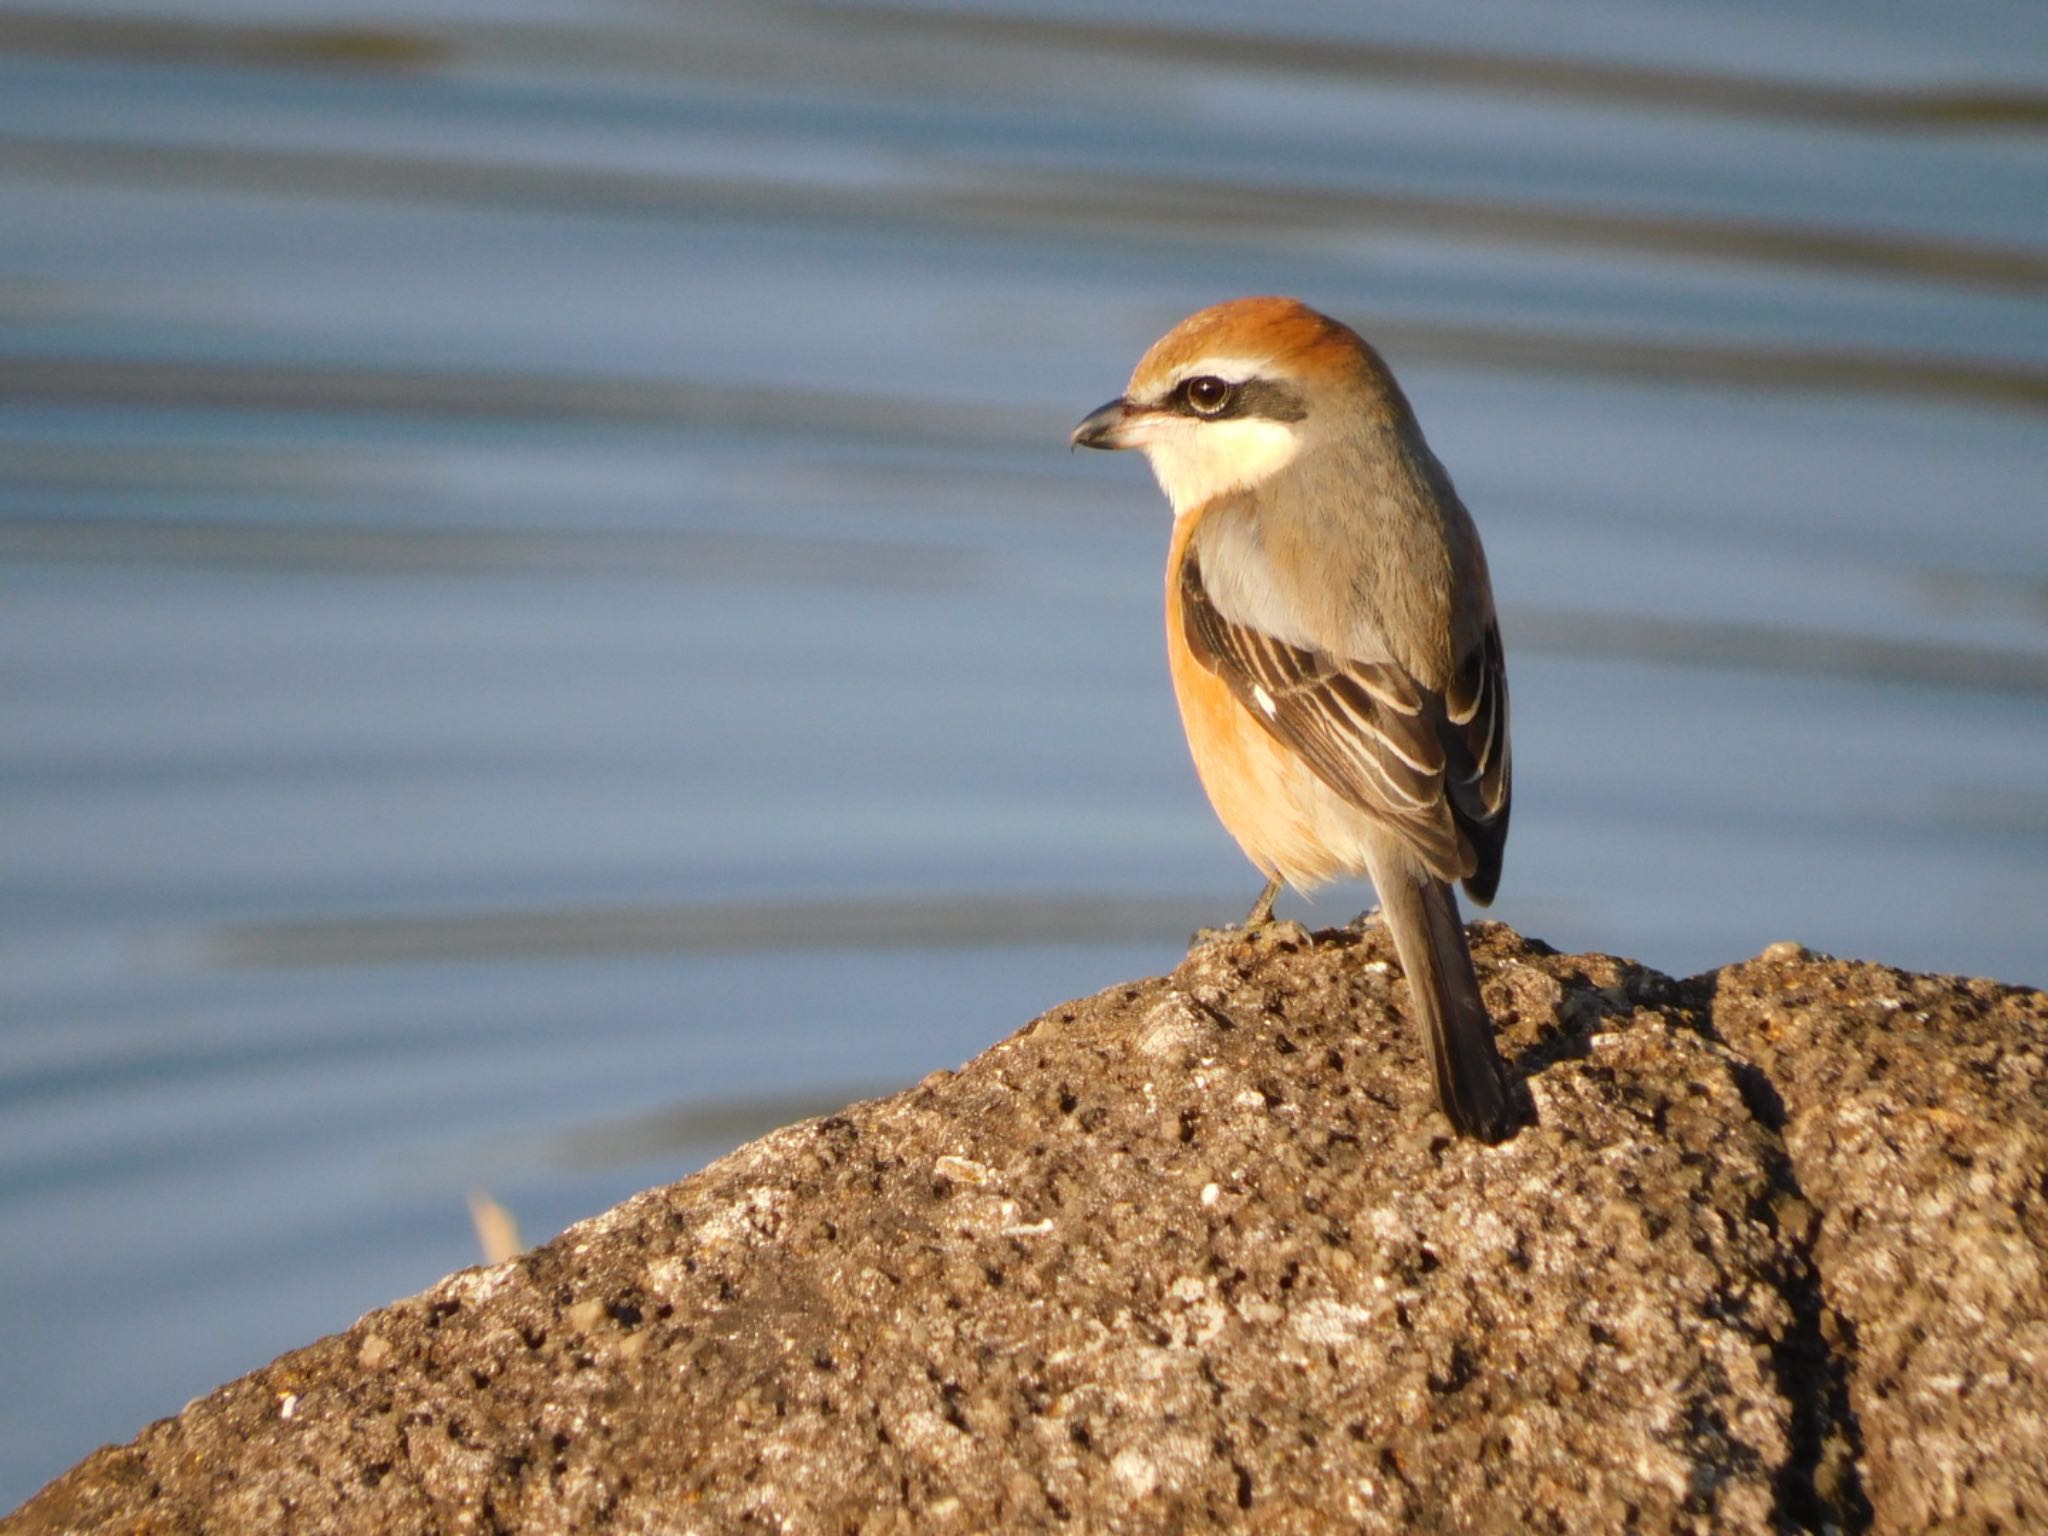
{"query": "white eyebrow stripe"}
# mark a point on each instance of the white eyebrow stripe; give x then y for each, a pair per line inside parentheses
(1236, 370)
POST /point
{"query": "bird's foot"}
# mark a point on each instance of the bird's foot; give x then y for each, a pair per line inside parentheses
(1282, 932)
(1258, 926)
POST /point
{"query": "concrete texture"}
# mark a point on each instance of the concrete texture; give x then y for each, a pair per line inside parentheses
(1197, 1253)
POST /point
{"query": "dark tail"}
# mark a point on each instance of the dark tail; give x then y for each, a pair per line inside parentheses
(1471, 1082)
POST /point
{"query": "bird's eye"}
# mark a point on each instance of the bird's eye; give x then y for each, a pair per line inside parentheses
(1206, 394)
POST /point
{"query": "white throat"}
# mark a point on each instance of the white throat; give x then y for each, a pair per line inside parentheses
(1197, 461)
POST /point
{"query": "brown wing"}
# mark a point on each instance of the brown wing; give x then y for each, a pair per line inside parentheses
(1435, 768)
(1479, 773)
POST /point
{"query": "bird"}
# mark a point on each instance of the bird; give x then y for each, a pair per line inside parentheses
(1332, 643)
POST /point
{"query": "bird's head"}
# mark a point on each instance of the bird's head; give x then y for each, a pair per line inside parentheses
(1236, 393)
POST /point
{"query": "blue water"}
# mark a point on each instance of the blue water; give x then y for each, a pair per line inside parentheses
(546, 623)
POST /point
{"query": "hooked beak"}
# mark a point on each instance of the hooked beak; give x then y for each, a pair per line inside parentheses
(1107, 427)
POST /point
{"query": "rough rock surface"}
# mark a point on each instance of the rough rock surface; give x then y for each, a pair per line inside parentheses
(1196, 1254)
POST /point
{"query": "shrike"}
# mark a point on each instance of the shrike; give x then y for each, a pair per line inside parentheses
(1331, 635)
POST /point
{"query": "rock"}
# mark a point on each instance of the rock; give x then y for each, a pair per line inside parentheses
(1197, 1253)
(1915, 1112)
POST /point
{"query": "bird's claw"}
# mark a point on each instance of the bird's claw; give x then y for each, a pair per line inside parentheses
(1274, 931)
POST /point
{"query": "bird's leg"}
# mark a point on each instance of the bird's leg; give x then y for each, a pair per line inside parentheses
(1259, 918)
(1262, 909)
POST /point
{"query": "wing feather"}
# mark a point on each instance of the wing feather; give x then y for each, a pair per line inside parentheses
(1434, 766)
(1480, 781)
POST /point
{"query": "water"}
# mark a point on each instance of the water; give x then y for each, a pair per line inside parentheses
(546, 625)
